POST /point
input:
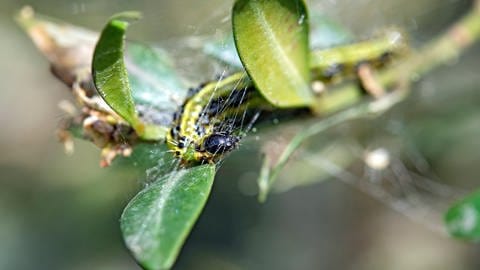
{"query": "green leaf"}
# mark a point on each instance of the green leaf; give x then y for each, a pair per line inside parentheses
(109, 72)
(271, 37)
(157, 221)
(463, 218)
(153, 78)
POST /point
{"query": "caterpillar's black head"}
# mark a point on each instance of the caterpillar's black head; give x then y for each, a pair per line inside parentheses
(219, 143)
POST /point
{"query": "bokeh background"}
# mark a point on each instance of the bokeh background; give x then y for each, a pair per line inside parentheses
(62, 212)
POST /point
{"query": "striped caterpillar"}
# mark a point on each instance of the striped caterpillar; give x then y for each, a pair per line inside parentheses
(216, 115)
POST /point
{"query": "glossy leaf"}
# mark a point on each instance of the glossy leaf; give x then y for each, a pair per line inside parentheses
(463, 218)
(109, 72)
(157, 221)
(271, 38)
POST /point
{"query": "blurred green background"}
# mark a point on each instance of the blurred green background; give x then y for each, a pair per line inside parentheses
(62, 212)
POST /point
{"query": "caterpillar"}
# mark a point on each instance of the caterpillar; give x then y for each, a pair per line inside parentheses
(212, 119)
